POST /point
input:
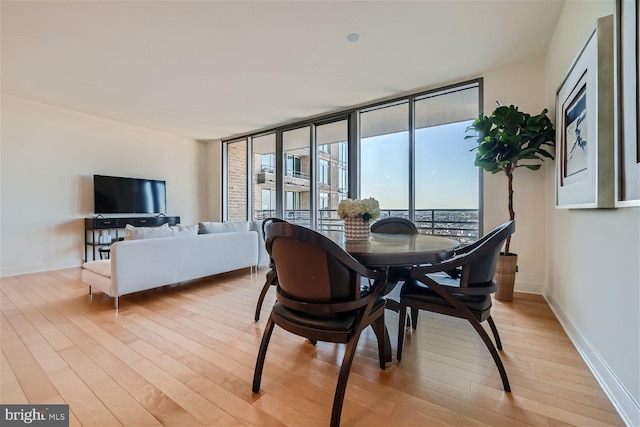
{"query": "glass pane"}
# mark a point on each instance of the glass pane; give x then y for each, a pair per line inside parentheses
(237, 181)
(264, 176)
(333, 177)
(384, 158)
(447, 182)
(297, 176)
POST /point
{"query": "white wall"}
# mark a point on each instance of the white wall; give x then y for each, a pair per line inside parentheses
(593, 256)
(523, 86)
(49, 156)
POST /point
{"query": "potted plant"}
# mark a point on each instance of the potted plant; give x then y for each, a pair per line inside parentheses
(356, 215)
(506, 140)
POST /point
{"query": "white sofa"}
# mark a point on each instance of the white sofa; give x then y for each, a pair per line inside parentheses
(147, 263)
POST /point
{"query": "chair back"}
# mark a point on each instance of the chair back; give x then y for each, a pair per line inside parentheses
(267, 222)
(313, 271)
(483, 258)
(394, 225)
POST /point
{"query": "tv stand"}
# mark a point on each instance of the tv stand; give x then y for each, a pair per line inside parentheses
(100, 223)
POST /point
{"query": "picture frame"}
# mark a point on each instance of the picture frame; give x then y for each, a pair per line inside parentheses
(585, 173)
(627, 154)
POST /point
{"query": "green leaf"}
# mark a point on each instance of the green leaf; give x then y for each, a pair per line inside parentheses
(532, 167)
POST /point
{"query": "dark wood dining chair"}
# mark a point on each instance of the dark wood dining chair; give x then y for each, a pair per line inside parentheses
(432, 287)
(271, 274)
(318, 296)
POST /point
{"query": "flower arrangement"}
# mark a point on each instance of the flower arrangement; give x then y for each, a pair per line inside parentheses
(367, 209)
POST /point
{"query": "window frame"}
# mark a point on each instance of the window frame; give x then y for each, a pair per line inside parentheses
(353, 148)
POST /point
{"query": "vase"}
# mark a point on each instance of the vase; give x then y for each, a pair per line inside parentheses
(356, 229)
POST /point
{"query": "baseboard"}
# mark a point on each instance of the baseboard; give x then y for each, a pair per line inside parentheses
(38, 268)
(529, 288)
(627, 407)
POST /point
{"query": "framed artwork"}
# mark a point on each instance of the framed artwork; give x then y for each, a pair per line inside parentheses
(585, 176)
(627, 160)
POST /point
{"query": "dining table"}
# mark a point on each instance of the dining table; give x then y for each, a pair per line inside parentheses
(396, 250)
(399, 251)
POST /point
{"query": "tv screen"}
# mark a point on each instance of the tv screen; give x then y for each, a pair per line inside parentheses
(113, 194)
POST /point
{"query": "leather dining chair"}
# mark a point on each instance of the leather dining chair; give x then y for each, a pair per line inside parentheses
(318, 296)
(271, 274)
(395, 225)
(434, 287)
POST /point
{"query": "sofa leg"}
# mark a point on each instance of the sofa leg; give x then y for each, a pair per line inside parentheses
(116, 302)
(90, 291)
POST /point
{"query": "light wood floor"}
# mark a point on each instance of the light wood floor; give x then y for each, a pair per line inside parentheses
(184, 355)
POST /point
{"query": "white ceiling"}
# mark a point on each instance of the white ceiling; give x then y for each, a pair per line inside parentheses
(212, 69)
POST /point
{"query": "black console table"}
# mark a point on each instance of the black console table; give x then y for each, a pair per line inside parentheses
(93, 225)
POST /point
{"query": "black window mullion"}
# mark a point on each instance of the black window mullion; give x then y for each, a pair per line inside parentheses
(412, 159)
(279, 175)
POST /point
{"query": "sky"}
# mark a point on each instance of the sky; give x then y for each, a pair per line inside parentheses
(445, 175)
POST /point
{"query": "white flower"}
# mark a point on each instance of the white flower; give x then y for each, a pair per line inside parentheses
(367, 209)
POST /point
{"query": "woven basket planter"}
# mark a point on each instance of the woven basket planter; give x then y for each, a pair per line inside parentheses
(506, 276)
(356, 229)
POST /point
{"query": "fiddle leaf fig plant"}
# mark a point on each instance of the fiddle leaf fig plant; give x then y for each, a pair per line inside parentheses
(509, 139)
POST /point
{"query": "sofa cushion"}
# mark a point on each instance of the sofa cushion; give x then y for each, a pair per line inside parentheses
(101, 267)
(137, 233)
(223, 227)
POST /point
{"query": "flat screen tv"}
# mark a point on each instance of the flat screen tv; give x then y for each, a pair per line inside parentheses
(118, 195)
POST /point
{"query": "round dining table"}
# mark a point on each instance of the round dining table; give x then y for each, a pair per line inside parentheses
(396, 250)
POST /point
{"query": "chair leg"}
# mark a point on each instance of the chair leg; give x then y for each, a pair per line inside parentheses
(414, 318)
(257, 373)
(466, 314)
(271, 277)
(402, 317)
(341, 387)
(492, 349)
(384, 344)
(496, 336)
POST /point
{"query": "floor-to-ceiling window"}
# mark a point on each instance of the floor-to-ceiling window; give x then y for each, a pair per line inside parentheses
(384, 158)
(264, 176)
(331, 139)
(296, 146)
(409, 153)
(446, 182)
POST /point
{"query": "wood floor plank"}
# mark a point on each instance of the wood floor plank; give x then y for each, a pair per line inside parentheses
(10, 390)
(124, 407)
(87, 407)
(183, 355)
(32, 379)
(190, 400)
(158, 404)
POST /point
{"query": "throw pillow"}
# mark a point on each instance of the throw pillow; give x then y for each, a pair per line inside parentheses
(185, 230)
(223, 227)
(137, 233)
